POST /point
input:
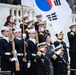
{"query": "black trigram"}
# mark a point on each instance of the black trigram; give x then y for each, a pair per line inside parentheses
(57, 2)
(52, 16)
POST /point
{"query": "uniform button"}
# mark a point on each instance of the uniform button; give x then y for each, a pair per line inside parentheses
(64, 70)
(64, 66)
(46, 72)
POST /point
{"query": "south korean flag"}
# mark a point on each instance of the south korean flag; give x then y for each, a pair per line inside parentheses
(57, 12)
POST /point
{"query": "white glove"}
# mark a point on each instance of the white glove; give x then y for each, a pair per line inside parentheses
(24, 35)
(29, 25)
(44, 54)
(14, 52)
(13, 59)
(58, 52)
(28, 65)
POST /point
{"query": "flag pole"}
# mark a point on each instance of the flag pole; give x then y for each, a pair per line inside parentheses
(24, 59)
(23, 17)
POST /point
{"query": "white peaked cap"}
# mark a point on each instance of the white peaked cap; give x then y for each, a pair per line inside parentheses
(17, 30)
(42, 22)
(41, 44)
(4, 28)
(30, 20)
(73, 24)
(37, 14)
(31, 31)
(59, 46)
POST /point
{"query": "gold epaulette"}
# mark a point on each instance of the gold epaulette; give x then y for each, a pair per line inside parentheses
(61, 49)
(54, 57)
(24, 60)
(72, 33)
(59, 40)
(26, 29)
(41, 33)
(39, 53)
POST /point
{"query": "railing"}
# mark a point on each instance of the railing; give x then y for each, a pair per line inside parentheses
(16, 11)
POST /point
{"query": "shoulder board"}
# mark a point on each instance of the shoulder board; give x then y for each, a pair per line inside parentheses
(61, 49)
(41, 33)
(26, 29)
(59, 40)
(54, 57)
(72, 33)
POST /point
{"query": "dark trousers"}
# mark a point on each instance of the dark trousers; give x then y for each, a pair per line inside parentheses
(33, 69)
(7, 66)
(23, 69)
(72, 63)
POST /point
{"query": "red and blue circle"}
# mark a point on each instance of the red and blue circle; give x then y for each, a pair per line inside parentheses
(44, 5)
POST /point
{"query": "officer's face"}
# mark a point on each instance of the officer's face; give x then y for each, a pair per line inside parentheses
(60, 36)
(6, 33)
(42, 49)
(39, 18)
(61, 54)
(26, 20)
(41, 28)
(48, 39)
(31, 26)
(73, 29)
(18, 34)
(32, 35)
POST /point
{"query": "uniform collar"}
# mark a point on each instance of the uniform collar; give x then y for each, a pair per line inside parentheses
(6, 38)
(39, 21)
(18, 38)
(33, 40)
(48, 43)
